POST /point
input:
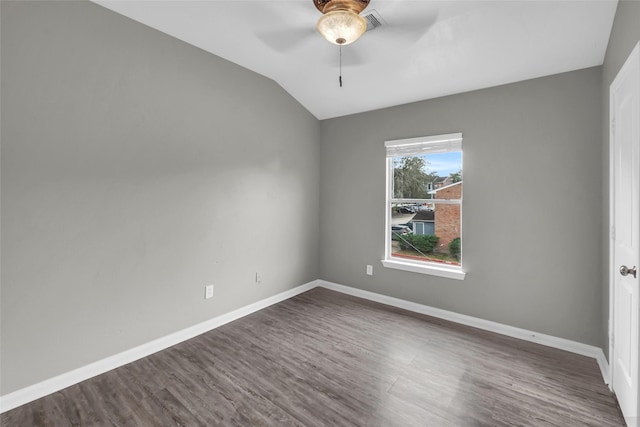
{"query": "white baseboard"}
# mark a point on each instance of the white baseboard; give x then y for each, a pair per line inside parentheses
(52, 385)
(487, 325)
(604, 367)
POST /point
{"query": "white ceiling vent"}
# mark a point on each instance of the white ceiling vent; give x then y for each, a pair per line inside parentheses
(374, 20)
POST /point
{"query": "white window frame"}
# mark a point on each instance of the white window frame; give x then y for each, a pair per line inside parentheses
(411, 146)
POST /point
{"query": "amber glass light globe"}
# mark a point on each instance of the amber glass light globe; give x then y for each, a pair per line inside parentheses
(341, 27)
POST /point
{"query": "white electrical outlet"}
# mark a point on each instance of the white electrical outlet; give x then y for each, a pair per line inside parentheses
(370, 270)
(208, 291)
(258, 277)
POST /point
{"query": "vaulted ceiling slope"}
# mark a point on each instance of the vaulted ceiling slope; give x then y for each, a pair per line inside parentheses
(422, 50)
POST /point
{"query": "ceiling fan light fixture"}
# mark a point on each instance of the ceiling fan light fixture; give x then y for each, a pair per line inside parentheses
(341, 27)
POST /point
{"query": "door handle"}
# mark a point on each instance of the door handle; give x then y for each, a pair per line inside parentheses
(624, 270)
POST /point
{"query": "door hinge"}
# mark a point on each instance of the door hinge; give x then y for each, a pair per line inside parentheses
(613, 340)
(613, 233)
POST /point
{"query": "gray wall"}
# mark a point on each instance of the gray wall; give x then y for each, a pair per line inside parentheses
(531, 211)
(136, 169)
(624, 36)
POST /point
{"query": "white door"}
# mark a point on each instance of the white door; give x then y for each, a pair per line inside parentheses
(625, 235)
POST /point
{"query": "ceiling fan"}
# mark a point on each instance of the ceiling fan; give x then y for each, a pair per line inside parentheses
(341, 24)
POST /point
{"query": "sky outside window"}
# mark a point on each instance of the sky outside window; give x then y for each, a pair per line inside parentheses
(443, 164)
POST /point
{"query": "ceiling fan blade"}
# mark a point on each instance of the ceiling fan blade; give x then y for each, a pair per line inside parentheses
(286, 40)
(284, 25)
(407, 30)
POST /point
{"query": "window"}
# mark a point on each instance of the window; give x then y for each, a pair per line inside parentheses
(424, 205)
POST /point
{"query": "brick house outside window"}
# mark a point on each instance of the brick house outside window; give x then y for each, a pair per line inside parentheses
(447, 217)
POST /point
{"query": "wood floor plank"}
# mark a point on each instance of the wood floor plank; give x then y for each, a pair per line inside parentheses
(45, 412)
(324, 358)
(225, 398)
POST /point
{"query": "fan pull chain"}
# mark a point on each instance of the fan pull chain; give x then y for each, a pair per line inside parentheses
(340, 77)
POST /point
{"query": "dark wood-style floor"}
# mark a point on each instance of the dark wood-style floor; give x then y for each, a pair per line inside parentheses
(327, 359)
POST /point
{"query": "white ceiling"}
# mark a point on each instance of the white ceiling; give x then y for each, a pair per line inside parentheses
(425, 49)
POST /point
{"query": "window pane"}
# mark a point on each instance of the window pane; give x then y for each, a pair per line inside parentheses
(426, 232)
(418, 176)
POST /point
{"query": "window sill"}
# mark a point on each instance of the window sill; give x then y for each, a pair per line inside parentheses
(433, 270)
